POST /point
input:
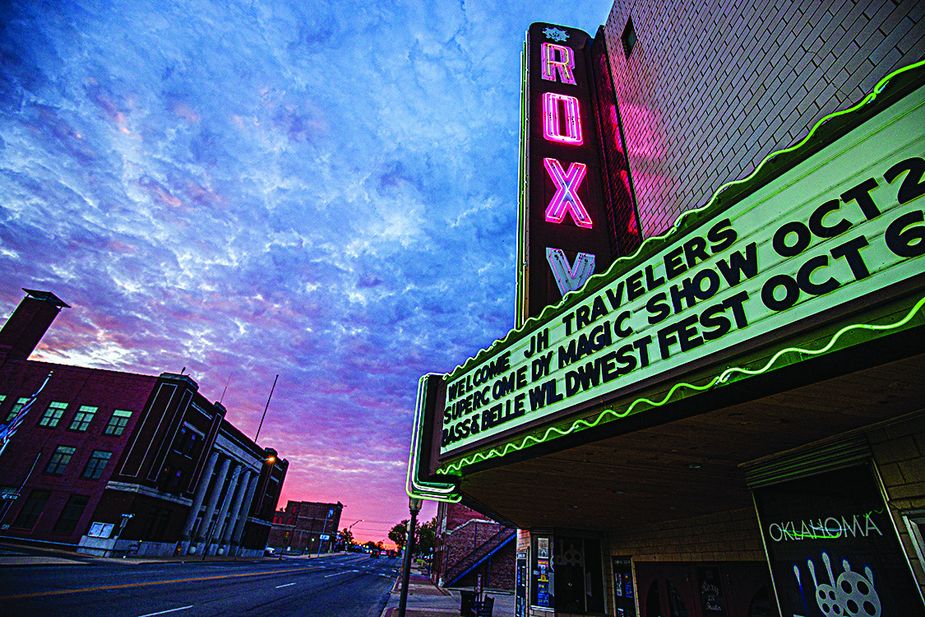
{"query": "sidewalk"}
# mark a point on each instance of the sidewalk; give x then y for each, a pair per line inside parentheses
(427, 600)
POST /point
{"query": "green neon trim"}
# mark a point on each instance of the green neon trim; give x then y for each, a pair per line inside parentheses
(628, 260)
(444, 492)
(414, 486)
(554, 432)
(523, 174)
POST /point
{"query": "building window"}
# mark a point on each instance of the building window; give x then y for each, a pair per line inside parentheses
(171, 479)
(187, 441)
(70, 515)
(52, 415)
(20, 403)
(117, 422)
(82, 418)
(628, 37)
(96, 464)
(32, 509)
(60, 460)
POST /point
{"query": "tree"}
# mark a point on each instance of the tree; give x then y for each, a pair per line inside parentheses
(398, 533)
(347, 536)
(425, 535)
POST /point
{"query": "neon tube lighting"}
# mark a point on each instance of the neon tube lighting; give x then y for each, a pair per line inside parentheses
(569, 277)
(557, 60)
(566, 200)
(644, 247)
(552, 101)
(415, 487)
(554, 432)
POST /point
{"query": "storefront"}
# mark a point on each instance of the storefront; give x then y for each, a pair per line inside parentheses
(728, 421)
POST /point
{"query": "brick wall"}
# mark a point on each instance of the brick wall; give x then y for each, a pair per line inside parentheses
(465, 531)
(76, 386)
(899, 452)
(712, 87)
(726, 536)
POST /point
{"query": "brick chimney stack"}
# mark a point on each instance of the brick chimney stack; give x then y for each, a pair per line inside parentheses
(27, 325)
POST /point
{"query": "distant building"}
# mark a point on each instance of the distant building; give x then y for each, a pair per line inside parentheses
(469, 545)
(112, 462)
(306, 526)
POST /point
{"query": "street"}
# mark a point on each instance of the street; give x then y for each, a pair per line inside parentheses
(338, 586)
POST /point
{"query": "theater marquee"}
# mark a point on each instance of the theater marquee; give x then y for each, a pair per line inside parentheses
(844, 224)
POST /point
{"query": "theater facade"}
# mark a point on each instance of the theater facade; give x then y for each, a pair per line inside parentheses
(720, 416)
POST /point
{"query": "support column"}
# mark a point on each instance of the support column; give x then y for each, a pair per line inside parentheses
(220, 522)
(245, 509)
(236, 506)
(213, 500)
(199, 496)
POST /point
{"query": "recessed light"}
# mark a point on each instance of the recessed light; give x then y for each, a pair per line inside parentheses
(694, 466)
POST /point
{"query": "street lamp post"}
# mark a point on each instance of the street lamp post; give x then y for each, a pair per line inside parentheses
(414, 506)
(324, 530)
(349, 529)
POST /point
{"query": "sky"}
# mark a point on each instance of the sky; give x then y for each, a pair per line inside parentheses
(320, 190)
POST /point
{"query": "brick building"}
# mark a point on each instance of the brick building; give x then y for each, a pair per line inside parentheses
(470, 545)
(113, 462)
(306, 526)
(710, 88)
(776, 464)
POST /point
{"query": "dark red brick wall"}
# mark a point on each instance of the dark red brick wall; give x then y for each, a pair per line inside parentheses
(76, 386)
(466, 530)
(497, 571)
(301, 520)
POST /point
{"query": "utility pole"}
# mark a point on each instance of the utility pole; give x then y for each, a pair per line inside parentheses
(414, 506)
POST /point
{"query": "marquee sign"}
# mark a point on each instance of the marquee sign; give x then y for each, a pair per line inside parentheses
(565, 227)
(842, 225)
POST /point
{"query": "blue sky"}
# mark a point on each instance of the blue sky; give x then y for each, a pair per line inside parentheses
(321, 190)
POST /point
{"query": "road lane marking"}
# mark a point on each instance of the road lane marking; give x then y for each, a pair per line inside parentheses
(286, 585)
(197, 579)
(170, 610)
(339, 573)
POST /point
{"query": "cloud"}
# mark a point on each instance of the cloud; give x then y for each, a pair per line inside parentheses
(324, 191)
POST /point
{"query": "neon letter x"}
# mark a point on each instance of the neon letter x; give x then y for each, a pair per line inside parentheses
(566, 197)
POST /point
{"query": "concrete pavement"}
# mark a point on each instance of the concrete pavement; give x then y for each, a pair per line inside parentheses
(427, 600)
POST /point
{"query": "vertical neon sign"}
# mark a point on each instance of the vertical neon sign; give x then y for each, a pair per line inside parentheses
(562, 125)
(563, 223)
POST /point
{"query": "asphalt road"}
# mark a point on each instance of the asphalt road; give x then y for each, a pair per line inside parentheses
(341, 586)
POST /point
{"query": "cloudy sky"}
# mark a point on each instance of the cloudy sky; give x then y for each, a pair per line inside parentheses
(324, 190)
